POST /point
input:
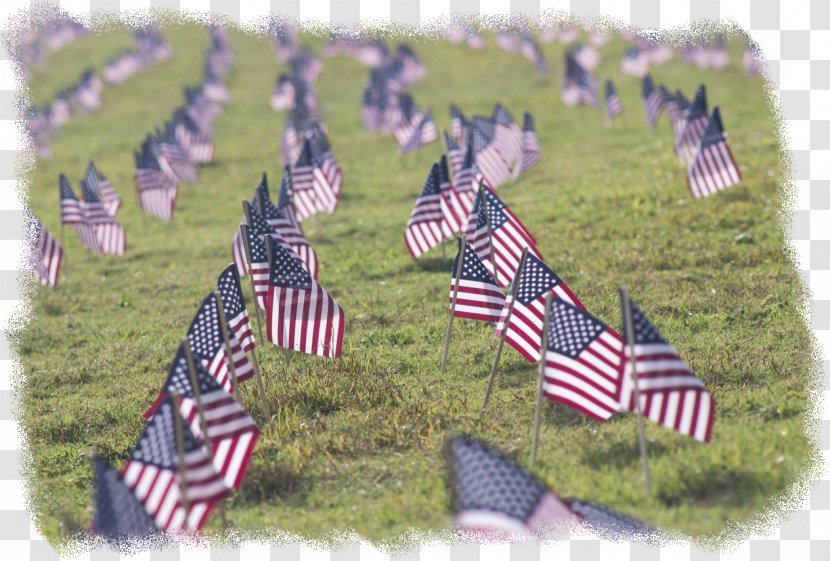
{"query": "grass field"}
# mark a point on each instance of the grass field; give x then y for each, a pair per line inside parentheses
(358, 442)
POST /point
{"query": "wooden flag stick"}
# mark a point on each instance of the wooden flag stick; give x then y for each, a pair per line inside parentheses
(537, 417)
(514, 289)
(457, 277)
(197, 395)
(483, 199)
(270, 251)
(177, 425)
(628, 323)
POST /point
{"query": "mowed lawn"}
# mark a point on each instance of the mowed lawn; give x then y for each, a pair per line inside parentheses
(358, 442)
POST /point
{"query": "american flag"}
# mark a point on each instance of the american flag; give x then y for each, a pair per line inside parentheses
(583, 362)
(232, 432)
(424, 227)
(300, 314)
(197, 143)
(468, 178)
(634, 63)
(285, 201)
(153, 474)
(74, 214)
(458, 124)
(304, 176)
(670, 394)
(531, 51)
(652, 101)
(453, 207)
(208, 344)
(523, 329)
(423, 132)
(508, 138)
(330, 165)
(233, 302)
(119, 515)
(713, 168)
(48, 256)
(673, 110)
(696, 118)
(613, 103)
(156, 191)
(509, 235)
(107, 193)
(176, 157)
(530, 143)
(109, 231)
(454, 152)
(578, 86)
(490, 161)
(479, 295)
(283, 96)
(587, 56)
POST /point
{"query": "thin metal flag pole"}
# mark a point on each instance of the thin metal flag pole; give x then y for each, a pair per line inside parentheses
(270, 251)
(457, 277)
(537, 417)
(483, 199)
(177, 425)
(514, 289)
(200, 409)
(628, 323)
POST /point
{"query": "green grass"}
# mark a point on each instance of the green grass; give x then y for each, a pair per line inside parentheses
(358, 442)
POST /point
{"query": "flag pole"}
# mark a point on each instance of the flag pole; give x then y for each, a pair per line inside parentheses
(270, 251)
(177, 425)
(489, 231)
(457, 276)
(200, 409)
(538, 414)
(514, 289)
(628, 324)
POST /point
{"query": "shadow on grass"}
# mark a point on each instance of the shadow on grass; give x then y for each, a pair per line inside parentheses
(430, 265)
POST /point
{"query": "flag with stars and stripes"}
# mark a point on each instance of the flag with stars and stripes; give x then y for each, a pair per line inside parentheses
(467, 181)
(695, 120)
(424, 132)
(634, 63)
(454, 152)
(579, 86)
(524, 330)
(508, 138)
(509, 237)
(530, 143)
(154, 474)
(670, 394)
(652, 101)
(74, 214)
(583, 362)
(107, 193)
(673, 110)
(156, 191)
(109, 231)
(304, 176)
(176, 158)
(479, 295)
(613, 103)
(458, 125)
(119, 515)
(233, 303)
(490, 161)
(300, 314)
(453, 209)
(48, 256)
(330, 167)
(424, 227)
(232, 432)
(713, 168)
(208, 345)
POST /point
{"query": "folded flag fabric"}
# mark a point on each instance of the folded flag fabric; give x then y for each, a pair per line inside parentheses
(670, 394)
(713, 168)
(119, 515)
(523, 329)
(479, 295)
(300, 314)
(583, 362)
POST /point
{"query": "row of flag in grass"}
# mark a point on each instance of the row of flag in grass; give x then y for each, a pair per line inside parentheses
(43, 36)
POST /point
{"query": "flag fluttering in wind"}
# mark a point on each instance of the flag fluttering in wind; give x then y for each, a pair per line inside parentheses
(109, 231)
(74, 214)
(492, 497)
(486, 152)
(48, 256)
(670, 394)
(424, 228)
(156, 191)
(583, 362)
(713, 168)
(155, 474)
(479, 295)
(233, 302)
(300, 314)
(119, 515)
(530, 143)
(106, 192)
(696, 118)
(523, 329)
(613, 103)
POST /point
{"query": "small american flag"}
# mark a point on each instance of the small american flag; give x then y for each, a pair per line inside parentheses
(531, 51)
(48, 256)
(696, 118)
(327, 178)
(424, 132)
(458, 124)
(613, 103)
(153, 474)
(583, 362)
(454, 152)
(119, 515)
(524, 330)
(673, 110)
(109, 231)
(107, 193)
(490, 161)
(197, 143)
(74, 214)
(176, 158)
(587, 56)
(156, 192)
(634, 63)
(509, 235)
(330, 165)
(479, 295)
(468, 178)
(578, 86)
(233, 302)
(303, 178)
(424, 227)
(283, 96)
(670, 394)
(508, 138)
(300, 314)
(530, 143)
(713, 168)
(652, 101)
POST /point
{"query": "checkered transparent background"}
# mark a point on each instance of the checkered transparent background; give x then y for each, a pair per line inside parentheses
(795, 38)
